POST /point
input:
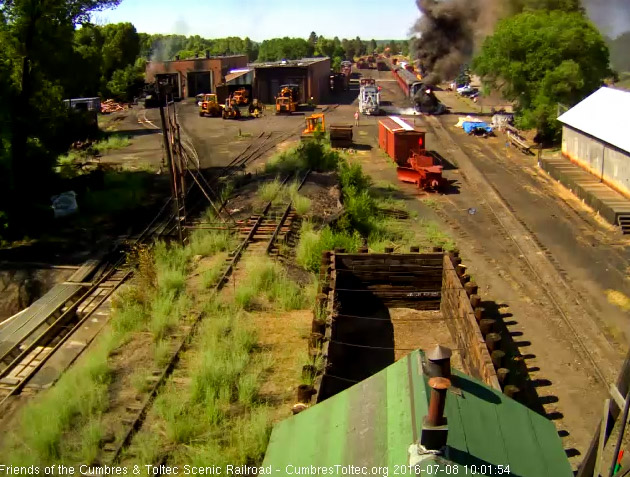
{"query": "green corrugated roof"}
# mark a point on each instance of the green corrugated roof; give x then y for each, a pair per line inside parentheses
(373, 423)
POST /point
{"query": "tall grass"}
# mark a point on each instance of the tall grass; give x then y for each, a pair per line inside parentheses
(314, 155)
(122, 191)
(113, 141)
(80, 394)
(267, 284)
(275, 192)
(363, 219)
(166, 311)
(271, 191)
(220, 414)
(312, 243)
(210, 242)
(155, 301)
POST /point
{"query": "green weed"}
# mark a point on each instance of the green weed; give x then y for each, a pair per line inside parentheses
(113, 141)
(209, 242)
(268, 280)
(161, 352)
(91, 436)
(78, 395)
(270, 191)
(312, 243)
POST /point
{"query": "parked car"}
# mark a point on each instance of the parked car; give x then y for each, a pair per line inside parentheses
(464, 90)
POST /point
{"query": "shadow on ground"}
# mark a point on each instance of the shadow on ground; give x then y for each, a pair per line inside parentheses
(511, 343)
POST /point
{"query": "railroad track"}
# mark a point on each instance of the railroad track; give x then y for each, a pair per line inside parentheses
(26, 357)
(273, 223)
(21, 360)
(533, 262)
(25, 352)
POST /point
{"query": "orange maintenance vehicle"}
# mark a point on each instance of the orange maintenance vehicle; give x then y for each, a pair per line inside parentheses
(314, 123)
(286, 101)
(241, 96)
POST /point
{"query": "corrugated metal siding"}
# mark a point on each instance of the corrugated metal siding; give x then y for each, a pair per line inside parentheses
(604, 161)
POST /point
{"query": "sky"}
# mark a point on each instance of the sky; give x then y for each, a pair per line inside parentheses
(262, 19)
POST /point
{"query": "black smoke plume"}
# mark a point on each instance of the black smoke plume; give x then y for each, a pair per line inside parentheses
(445, 36)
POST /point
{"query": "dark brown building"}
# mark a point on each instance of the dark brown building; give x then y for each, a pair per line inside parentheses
(194, 76)
(311, 74)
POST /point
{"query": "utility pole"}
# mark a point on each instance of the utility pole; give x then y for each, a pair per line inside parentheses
(169, 162)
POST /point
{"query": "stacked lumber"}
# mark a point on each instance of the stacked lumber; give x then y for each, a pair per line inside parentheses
(111, 106)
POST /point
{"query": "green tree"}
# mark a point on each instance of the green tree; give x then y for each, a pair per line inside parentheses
(373, 46)
(542, 58)
(359, 46)
(284, 48)
(349, 49)
(126, 82)
(336, 64)
(40, 34)
(393, 47)
(325, 48)
(121, 47)
(312, 38)
(404, 48)
(86, 77)
(518, 6)
(250, 49)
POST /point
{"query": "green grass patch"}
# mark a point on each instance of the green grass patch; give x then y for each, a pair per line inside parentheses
(79, 395)
(270, 191)
(112, 142)
(275, 192)
(267, 285)
(63, 424)
(210, 242)
(161, 352)
(314, 155)
(220, 414)
(313, 242)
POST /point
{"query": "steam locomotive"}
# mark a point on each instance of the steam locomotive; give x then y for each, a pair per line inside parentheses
(421, 94)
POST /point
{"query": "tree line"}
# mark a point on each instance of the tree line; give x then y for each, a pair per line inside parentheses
(547, 52)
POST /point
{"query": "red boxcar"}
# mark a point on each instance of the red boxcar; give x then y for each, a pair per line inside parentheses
(398, 138)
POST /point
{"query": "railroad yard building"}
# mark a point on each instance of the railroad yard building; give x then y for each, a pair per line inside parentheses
(190, 77)
(312, 75)
(595, 137)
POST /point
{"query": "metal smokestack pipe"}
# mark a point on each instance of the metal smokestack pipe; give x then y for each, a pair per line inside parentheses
(438, 362)
(434, 426)
(438, 399)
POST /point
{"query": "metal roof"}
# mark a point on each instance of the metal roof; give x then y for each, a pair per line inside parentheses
(234, 74)
(603, 115)
(288, 63)
(374, 422)
(395, 124)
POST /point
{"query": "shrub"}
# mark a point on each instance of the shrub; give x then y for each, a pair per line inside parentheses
(313, 243)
